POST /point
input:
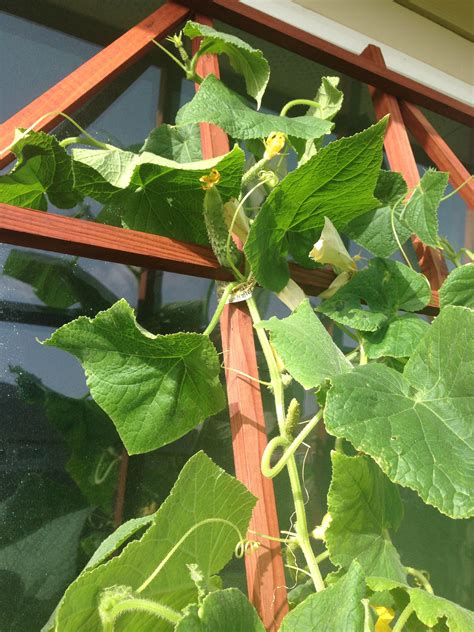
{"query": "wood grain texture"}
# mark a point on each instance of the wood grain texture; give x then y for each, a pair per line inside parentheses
(264, 568)
(438, 150)
(400, 158)
(75, 89)
(298, 41)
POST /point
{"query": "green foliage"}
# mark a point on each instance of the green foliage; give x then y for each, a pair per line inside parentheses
(155, 388)
(338, 183)
(244, 59)
(181, 144)
(416, 425)
(397, 338)
(458, 289)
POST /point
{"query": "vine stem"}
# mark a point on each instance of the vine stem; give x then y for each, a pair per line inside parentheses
(141, 605)
(403, 618)
(395, 234)
(463, 184)
(418, 575)
(294, 102)
(220, 306)
(301, 525)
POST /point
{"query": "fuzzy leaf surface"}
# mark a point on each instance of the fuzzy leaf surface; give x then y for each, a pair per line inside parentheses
(417, 425)
(305, 347)
(153, 194)
(458, 288)
(421, 211)
(181, 144)
(203, 491)
(385, 287)
(228, 610)
(154, 388)
(336, 608)
(244, 59)
(397, 338)
(373, 230)
(363, 505)
(216, 103)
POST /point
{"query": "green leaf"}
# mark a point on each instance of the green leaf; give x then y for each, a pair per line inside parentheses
(228, 610)
(397, 338)
(336, 608)
(421, 211)
(363, 505)
(458, 288)
(57, 282)
(373, 230)
(181, 144)
(385, 287)
(330, 102)
(154, 194)
(417, 425)
(305, 347)
(244, 59)
(338, 183)
(216, 103)
(203, 492)
(154, 388)
(43, 170)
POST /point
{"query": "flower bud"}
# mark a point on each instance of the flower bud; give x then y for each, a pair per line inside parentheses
(330, 249)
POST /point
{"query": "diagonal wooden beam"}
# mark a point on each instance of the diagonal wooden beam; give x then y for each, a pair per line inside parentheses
(264, 568)
(75, 89)
(400, 158)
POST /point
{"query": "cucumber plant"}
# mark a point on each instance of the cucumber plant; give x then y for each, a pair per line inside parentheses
(399, 402)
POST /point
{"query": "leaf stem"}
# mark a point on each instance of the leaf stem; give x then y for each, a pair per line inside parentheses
(421, 579)
(83, 140)
(301, 525)
(446, 197)
(170, 54)
(395, 234)
(403, 618)
(220, 306)
(294, 102)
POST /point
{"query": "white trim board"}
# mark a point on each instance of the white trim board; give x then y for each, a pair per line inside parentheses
(355, 42)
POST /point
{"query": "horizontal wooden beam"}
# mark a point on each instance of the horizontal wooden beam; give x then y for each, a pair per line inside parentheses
(75, 89)
(298, 41)
(67, 235)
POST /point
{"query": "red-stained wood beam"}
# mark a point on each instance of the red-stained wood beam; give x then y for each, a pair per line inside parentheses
(401, 159)
(298, 41)
(264, 568)
(75, 89)
(438, 150)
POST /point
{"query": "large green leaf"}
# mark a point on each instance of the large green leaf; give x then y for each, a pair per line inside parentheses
(337, 608)
(458, 288)
(385, 287)
(181, 144)
(363, 505)
(397, 338)
(57, 282)
(154, 388)
(154, 194)
(373, 231)
(228, 610)
(338, 183)
(305, 347)
(43, 170)
(330, 100)
(216, 103)
(203, 494)
(417, 425)
(244, 59)
(421, 211)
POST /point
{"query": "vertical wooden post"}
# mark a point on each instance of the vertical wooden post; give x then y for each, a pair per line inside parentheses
(264, 567)
(400, 157)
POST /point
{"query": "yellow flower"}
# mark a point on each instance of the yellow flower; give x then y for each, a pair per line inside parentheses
(386, 616)
(330, 249)
(212, 178)
(274, 144)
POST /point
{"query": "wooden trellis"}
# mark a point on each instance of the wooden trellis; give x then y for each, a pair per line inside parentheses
(392, 93)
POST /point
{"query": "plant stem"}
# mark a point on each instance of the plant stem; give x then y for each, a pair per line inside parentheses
(170, 54)
(420, 577)
(220, 306)
(141, 605)
(294, 102)
(403, 618)
(83, 140)
(395, 234)
(446, 197)
(301, 525)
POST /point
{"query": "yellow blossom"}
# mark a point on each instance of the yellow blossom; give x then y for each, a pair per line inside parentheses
(341, 280)
(212, 178)
(385, 617)
(274, 144)
(330, 249)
